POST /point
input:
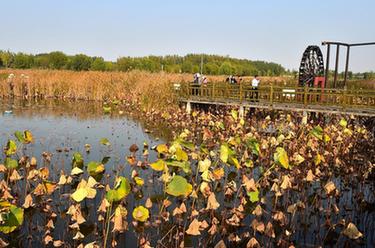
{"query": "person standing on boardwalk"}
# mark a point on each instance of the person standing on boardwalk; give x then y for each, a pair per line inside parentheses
(255, 86)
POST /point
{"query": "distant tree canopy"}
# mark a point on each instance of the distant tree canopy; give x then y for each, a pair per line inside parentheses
(191, 63)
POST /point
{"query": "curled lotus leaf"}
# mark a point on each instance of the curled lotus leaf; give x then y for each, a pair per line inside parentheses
(158, 165)
(317, 132)
(141, 213)
(281, 157)
(11, 148)
(77, 160)
(120, 191)
(95, 168)
(185, 165)
(105, 141)
(253, 144)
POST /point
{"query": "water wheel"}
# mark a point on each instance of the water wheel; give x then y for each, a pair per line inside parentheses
(312, 65)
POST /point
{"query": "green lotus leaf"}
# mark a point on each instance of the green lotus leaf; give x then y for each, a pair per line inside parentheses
(77, 160)
(179, 186)
(120, 191)
(12, 217)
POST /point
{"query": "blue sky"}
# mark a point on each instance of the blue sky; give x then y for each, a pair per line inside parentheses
(271, 30)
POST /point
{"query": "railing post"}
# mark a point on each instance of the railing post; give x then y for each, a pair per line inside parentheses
(213, 91)
(344, 98)
(305, 95)
(240, 92)
(271, 94)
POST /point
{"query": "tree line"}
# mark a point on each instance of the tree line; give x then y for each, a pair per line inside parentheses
(191, 63)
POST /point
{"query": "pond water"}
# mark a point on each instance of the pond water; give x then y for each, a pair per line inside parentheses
(62, 128)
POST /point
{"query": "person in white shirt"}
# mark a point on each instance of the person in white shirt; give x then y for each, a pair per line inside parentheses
(255, 84)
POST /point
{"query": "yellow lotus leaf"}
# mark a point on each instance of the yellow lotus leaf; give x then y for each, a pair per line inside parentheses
(139, 181)
(218, 173)
(162, 148)
(76, 171)
(204, 165)
(281, 157)
(79, 195)
(141, 214)
(159, 165)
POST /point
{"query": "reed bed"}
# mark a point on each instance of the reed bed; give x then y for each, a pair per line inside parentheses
(150, 89)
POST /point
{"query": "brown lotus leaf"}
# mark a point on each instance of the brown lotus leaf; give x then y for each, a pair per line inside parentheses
(253, 243)
(44, 173)
(3, 243)
(166, 203)
(213, 229)
(286, 183)
(3, 168)
(310, 176)
(233, 221)
(258, 226)
(249, 184)
(212, 203)
(352, 232)
(104, 205)
(47, 239)
(78, 236)
(50, 224)
(234, 238)
(194, 228)
(258, 211)
(15, 176)
(58, 243)
(148, 203)
(329, 187)
(280, 217)
(269, 230)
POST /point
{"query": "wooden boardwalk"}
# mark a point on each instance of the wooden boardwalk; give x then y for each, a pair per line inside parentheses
(340, 101)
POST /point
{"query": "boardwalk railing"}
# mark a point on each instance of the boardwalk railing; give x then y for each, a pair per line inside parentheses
(269, 95)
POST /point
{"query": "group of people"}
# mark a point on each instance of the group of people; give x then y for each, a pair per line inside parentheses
(199, 80)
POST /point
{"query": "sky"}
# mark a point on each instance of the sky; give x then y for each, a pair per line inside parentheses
(270, 30)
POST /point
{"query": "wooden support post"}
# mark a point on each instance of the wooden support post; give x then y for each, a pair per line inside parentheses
(241, 111)
(188, 107)
(305, 95)
(304, 118)
(271, 94)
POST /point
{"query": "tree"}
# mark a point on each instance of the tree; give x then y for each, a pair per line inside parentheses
(6, 58)
(98, 64)
(226, 68)
(23, 61)
(124, 64)
(57, 60)
(187, 67)
(81, 62)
